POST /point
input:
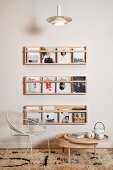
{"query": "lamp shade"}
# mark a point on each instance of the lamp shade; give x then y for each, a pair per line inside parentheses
(59, 20)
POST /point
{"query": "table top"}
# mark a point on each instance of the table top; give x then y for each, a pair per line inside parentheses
(84, 140)
(67, 140)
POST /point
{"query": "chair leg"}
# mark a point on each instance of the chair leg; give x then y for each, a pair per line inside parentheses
(27, 142)
(31, 144)
(31, 147)
(48, 144)
(9, 143)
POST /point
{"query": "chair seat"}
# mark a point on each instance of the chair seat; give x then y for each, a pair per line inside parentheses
(32, 133)
(36, 133)
(19, 134)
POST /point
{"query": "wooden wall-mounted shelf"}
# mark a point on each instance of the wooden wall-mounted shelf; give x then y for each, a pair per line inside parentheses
(65, 85)
(73, 55)
(56, 114)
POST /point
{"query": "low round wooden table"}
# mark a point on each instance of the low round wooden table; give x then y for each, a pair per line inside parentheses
(69, 141)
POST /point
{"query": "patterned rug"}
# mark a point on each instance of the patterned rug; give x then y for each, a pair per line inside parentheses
(80, 160)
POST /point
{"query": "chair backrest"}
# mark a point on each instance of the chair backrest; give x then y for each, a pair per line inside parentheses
(40, 126)
(33, 120)
(11, 127)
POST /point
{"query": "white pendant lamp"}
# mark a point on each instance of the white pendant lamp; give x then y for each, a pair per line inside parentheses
(59, 20)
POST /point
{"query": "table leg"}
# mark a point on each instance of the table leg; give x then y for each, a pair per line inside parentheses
(95, 150)
(69, 155)
(63, 149)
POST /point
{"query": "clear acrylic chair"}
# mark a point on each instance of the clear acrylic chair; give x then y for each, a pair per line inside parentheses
(28, 131)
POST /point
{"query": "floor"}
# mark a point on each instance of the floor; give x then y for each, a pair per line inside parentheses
(82, 159)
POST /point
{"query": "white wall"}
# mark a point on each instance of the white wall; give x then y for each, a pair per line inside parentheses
(92, 26)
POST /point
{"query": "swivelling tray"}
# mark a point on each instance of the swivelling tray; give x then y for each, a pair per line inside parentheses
(84, 140)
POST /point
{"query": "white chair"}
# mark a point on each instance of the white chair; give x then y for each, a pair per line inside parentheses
(39, 126)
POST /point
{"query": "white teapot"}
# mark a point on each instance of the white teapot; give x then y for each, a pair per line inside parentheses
(100, 136)
(99, 132)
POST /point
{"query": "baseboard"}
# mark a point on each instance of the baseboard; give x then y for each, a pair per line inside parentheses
(39, 146)
(24, 145)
